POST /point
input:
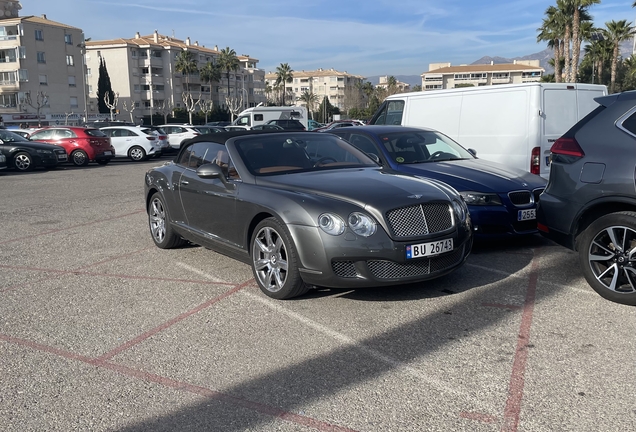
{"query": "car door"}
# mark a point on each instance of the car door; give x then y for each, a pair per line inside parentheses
(209, 205)
(119, 142)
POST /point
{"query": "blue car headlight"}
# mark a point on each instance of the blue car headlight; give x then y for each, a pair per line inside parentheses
(480, 198)
(362, 224)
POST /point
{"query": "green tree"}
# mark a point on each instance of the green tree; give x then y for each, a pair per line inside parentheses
(616, 32)
(326, 110)
(210, 73)
(580, 15)
(186, 64)
(417, 88)
(310, 98)
(284, 74)
(103, 88)
(228, 62)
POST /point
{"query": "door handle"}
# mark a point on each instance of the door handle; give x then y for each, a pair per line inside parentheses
(185, 182)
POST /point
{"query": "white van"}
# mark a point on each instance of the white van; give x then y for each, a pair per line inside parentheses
(513, 124)
(262, 114)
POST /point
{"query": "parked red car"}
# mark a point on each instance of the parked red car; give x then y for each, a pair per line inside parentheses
(83, 145)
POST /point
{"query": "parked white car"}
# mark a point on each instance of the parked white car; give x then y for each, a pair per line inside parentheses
(178, 133)
(133, 142)
(162, 136)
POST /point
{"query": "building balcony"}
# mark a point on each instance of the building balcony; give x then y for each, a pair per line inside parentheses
(505, 80)
(9, 85)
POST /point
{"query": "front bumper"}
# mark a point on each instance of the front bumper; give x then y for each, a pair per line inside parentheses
(349, 261)
(500, 222)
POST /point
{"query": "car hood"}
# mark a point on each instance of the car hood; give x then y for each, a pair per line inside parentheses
(360, 186)
(476, 175)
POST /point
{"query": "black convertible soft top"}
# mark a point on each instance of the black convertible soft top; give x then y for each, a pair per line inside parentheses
(222, 137)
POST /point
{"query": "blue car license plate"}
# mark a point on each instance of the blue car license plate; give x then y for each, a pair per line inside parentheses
(528, 214)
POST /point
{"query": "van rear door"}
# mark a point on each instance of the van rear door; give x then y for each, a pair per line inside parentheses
(559, 113)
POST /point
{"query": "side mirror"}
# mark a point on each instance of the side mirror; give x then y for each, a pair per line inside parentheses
(473, 152)
(375, 157)
(213, 171)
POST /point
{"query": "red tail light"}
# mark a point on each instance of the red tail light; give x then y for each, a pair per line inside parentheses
(150, 137)
(535, 161)
(163, 137)
(568, 147)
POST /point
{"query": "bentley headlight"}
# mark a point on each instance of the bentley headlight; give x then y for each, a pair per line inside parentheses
(460, 209)
(361, 224)
(331, 224)
(480, 198)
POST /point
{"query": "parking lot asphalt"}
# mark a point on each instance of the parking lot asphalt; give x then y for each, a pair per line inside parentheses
(102, 331)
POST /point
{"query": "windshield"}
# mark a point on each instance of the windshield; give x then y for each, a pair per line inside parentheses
(425, 146)
(280, 154)
(7, 136)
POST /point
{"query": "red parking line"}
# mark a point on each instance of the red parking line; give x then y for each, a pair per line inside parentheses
(183, 386)
(512, 410)
(167, 324)
(71, 227)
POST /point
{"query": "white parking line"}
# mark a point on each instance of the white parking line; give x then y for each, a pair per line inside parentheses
(200, 272)
(346, 340)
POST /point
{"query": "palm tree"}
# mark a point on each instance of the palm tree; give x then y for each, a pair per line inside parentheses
(284, 74)
(616, 32)
(209, 73)
(580, 16)
(228, 62)
(310, 98)
(599, 50)
(368, 90)
(186, 64)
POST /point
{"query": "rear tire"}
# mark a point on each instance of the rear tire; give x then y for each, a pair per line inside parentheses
(79, 158)
(275, 261)
(161, 231)
(607, 254)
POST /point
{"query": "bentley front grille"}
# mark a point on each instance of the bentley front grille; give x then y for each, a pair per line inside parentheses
(420, 219)
(382, 269)
(344, 269)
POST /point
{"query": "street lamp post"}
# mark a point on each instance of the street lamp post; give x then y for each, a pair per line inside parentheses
(82, 47)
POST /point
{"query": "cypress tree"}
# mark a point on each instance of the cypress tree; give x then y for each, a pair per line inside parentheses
(103, 87)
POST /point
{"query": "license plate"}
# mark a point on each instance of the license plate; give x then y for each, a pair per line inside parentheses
(107, 153)
(429, 249)
(527, 214)
(61, 157)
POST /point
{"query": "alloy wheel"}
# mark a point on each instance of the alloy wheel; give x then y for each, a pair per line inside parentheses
(269, 255)
(612, 259)
(157, 220)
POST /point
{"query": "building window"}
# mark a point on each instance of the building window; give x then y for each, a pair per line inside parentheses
(133, 53)
(156, 54)
(88, 71)
(74, 102)
(8, 100)
(68, 39)
(433, 87)
(136, 104)
(70, 60)
(41, 57)
(530, 74)
(23, 75)
(39, 35)
(43, 80)
(7, 78)
(71, 81)
(90, 89)
(501, 75)
(21, 52)
(478, 76)
(461, 77)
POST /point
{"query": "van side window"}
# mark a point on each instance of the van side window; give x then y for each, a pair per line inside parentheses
(258, 117)
(390, 113)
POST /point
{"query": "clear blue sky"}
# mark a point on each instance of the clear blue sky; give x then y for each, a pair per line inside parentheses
(370, 37)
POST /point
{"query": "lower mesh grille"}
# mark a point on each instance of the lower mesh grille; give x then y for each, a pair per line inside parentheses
(344, 269)
(392, 270)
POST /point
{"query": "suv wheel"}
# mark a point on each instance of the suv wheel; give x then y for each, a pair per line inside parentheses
(607, 253)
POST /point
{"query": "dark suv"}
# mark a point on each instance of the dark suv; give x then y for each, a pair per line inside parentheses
(289, 124)
(589, 204)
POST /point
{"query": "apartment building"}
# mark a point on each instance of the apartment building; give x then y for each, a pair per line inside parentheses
(342, 88)
(142, 72)
(444, 76)
(41, 76)
(400, 87)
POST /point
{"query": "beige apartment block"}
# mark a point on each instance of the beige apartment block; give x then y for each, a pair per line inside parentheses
(342, 88)
(142, 71)
(41, 76)
(444, 76)
(401, 87)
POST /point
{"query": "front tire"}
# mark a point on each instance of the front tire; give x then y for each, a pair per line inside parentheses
(137, 154)
(607, 254)
(275, 261)
(79, 158)
(23, 162)
(161, 231)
